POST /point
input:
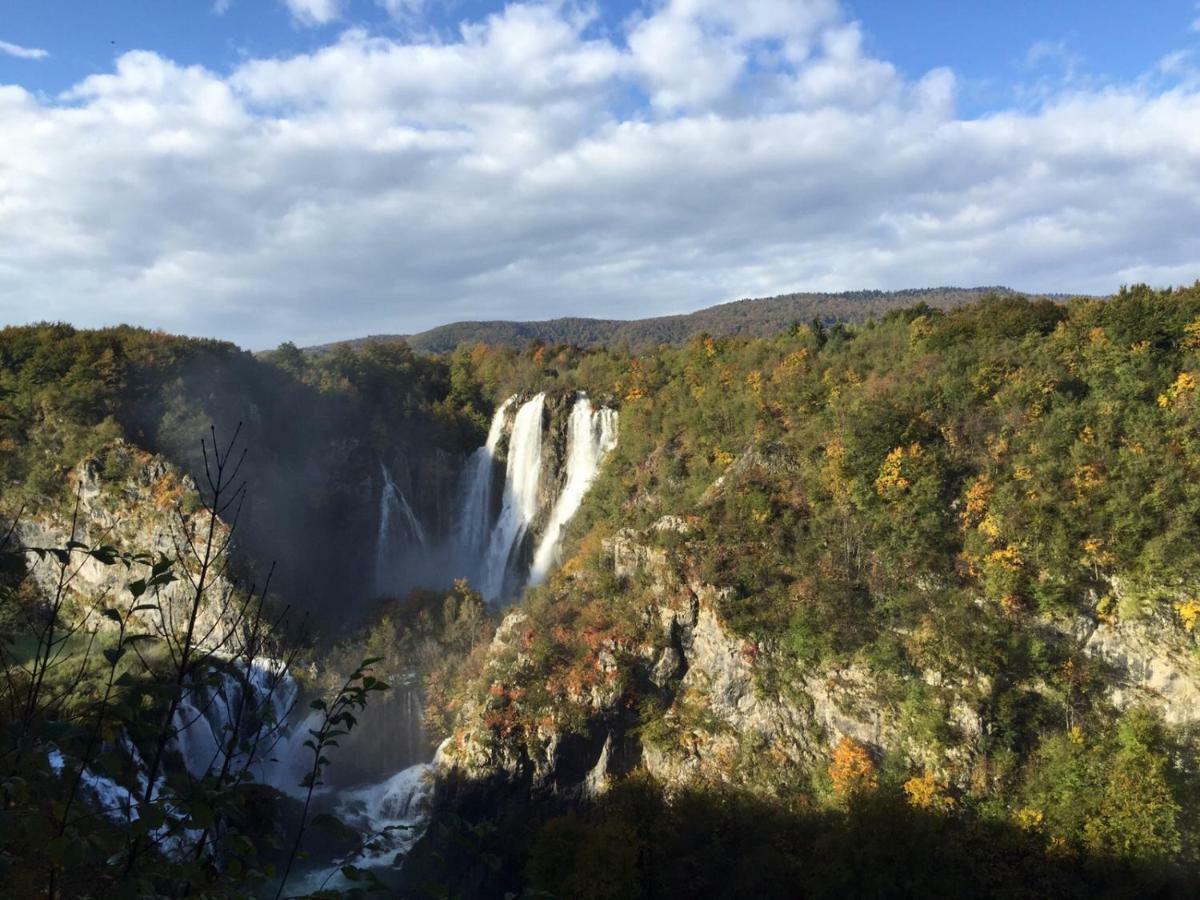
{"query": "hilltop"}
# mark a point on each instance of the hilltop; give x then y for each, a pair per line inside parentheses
(750, 317)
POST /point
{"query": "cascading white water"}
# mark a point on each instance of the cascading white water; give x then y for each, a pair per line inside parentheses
(475, 523)
(255, 702)
(488, 549)
(520, 506)
(591, 434)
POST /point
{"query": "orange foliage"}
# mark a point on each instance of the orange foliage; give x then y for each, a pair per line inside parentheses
(852, 770)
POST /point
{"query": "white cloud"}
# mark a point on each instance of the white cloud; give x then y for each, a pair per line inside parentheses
(22, 52)
(380, 185)
(314, 12)
(402, 9)
(220, 7)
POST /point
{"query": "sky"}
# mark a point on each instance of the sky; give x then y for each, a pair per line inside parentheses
(313, 170)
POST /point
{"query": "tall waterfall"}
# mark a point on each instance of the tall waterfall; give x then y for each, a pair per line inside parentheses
(591, 433)
(475, 523)
(522, 476)
(510, 520)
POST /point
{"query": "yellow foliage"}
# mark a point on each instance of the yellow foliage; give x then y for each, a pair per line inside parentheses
(754, 381)
(634, 393)
(1191, 335)
(989, 527)
(722, 458)
(1095, 553)
(892, 478)
(927, 792)
(1008, 558)
(793, 364)
(979, 495)
(1012, 604)
(1189, 613)
(852, 770)
(1184, 384)
(1087, 477)
(1029, 819)
(833, 472)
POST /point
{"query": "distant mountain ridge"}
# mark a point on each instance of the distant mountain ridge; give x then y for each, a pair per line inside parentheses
(748, 317)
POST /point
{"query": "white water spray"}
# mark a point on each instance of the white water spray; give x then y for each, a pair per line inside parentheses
(522, 475)
(591, 434)
(475, 523)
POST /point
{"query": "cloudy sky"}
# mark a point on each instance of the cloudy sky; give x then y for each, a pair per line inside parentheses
(308, 170)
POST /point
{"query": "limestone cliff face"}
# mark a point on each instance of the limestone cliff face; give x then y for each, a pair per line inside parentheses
(138, 513)
(727, 719)
(1149, 661)
(721, 722)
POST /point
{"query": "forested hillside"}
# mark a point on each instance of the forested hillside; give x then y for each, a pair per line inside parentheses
(746, 318)
(315, 432)
(906, 606)
(916, 598)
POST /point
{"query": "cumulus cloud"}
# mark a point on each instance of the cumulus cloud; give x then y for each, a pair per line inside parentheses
(22, 52)
(536, 165)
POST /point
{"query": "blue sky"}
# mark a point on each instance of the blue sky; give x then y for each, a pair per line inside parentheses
(315, 169)
(995, 46)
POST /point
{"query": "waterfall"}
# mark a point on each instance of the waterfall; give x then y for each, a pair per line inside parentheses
(399, 532)
(591, 434)
(522, 475)
(255, 702)
(498, 532)
(475, 523)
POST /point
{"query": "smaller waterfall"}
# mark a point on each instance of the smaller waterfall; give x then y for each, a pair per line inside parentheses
(522, 475)
(255, 703)
(399, 532)
(591, 434)
(395, 515)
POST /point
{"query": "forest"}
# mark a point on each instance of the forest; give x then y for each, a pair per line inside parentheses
(865, 608)
(761, 317)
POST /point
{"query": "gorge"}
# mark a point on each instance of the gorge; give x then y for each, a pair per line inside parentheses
(908, 602)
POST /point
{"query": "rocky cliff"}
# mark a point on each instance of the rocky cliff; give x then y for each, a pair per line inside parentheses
(667, 689)
(136, 503)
